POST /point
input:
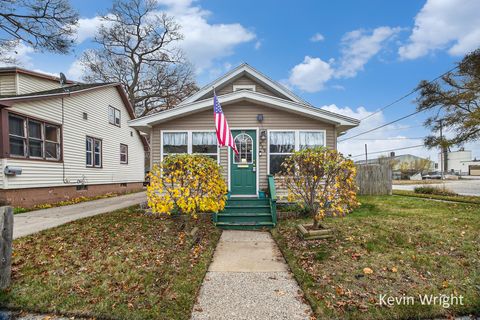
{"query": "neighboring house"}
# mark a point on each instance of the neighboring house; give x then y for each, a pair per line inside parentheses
(268, 123)
(68, 141)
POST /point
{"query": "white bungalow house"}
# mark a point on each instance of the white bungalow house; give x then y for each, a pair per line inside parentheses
(64, 141)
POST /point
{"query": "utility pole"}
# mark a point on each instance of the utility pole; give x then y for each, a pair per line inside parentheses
(442, 152)
(366, 154)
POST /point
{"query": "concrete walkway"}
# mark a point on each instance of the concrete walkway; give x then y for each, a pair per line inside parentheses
(38, 220)
(249, 279)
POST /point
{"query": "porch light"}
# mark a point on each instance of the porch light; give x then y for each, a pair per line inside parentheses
(263, 135)
(259, 117)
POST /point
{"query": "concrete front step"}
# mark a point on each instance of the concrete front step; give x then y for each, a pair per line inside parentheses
(244, 225)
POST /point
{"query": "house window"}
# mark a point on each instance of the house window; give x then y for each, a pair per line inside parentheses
(114, 116)
(284, 143)
(123, 153)
(311, 139)
(190, 142)
(205, 143)
(175, 142)
(33, 139)
(93, 152)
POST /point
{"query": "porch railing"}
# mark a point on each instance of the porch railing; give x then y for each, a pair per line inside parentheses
(273, 198)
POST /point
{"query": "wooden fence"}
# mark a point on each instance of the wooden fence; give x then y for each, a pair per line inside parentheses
(374, 179)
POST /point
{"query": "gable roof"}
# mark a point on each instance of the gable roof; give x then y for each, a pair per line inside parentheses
(8, 101)
(242, 70)
(32, 73)
(144, 123)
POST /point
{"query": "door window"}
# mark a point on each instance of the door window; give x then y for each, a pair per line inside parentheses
(244, 145)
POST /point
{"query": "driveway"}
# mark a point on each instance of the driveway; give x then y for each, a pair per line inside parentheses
(38, 220)
(463, 187)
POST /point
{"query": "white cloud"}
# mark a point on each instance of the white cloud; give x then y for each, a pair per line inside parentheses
(75, 72)
(453, 25)
(359, 46)
(87, 27)
(311, 74)
(386, 138)
(258, 44)
(205, 43)
(317, 37)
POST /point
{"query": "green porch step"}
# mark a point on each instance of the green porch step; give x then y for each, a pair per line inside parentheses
(246, 209)
(245, 214)
(245, 217)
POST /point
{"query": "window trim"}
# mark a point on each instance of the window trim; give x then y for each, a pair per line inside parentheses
(93, 153)
(114, 118)
(26, 118)
(297, 142)
(189, 143)
(126, 154)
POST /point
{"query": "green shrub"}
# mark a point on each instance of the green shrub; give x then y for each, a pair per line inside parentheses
(434, 190)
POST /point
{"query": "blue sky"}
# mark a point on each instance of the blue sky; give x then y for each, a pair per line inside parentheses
(351, 57)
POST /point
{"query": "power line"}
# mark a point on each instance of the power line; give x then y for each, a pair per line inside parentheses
(411, 147)
(409, 93)
(384, 125)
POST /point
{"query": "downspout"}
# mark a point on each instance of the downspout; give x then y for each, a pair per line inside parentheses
(63, 155)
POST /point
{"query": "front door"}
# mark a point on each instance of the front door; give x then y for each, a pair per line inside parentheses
(243, 166)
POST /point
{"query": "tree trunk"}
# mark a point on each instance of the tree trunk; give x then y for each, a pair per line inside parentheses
(6, 237)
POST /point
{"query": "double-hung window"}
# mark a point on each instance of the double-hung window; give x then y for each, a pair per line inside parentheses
(123, 153)
(175, 143)
(205, 143)
(190, 142)
(33, 139)
(93, 153)
(283, 143)
(114, 116)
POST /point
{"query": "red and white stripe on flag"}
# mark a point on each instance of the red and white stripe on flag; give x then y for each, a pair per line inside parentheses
(224, 135)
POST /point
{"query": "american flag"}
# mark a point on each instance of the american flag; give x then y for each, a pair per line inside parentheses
(224, 135)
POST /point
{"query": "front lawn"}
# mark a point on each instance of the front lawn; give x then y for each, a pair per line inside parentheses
(120, 265)
(413, 246)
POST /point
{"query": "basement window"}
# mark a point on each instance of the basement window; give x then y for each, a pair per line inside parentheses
(82, 187)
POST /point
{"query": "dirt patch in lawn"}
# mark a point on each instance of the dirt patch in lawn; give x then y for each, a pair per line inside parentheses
(120, 265)
(392, 246)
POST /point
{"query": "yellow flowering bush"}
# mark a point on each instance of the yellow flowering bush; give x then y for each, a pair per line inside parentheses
(186, 184)
(321, 180)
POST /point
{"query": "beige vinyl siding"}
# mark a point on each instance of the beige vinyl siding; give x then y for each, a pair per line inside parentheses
(29, 84)
(244, 80)
(95, 103)
(8, 84)
(243, 115)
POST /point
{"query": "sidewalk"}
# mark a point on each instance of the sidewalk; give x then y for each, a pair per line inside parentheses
(38, 220)
(249, 279)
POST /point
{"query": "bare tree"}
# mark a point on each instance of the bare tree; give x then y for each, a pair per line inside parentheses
(138, 47)
(45, 25)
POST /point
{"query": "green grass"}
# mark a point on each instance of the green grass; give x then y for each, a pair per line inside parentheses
(413, 247)
(120, 265)
(457, 198)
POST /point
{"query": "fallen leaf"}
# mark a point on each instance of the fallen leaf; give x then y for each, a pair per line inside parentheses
(367, 271)
(394, 269)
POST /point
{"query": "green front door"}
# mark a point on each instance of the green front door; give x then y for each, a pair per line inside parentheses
(243, 166)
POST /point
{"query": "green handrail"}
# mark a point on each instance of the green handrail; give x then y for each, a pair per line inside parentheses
(273, 199)
(271, 188)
